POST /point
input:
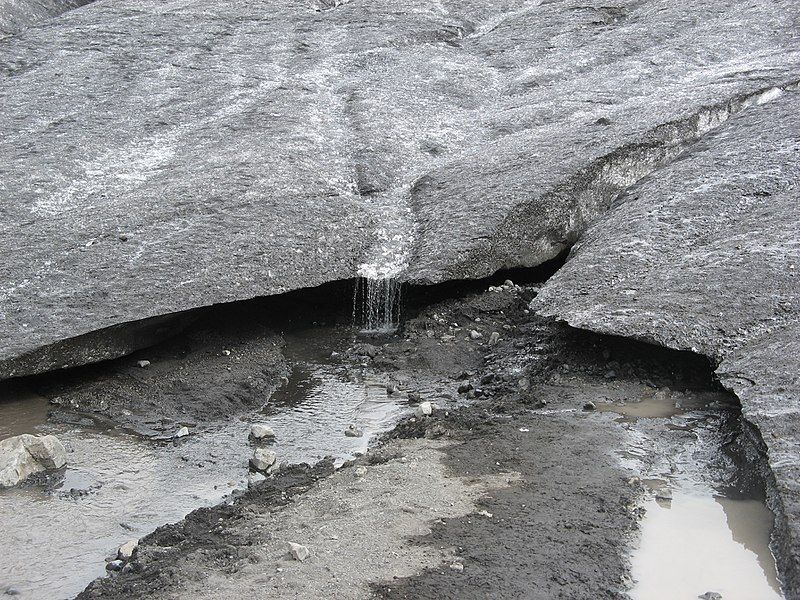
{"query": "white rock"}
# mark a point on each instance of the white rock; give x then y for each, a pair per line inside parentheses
(254, 478)
(23, 455)
(143, 363)
(475, 335)
(298, 551)
(226, 353)
(127, 549)
(494, 338)
(424, 409)
(360, 471)
(182, 432)
(263, 459)
(260, 431)
(457, 567)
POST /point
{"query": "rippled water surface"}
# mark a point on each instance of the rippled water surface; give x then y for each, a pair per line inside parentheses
(118, 486)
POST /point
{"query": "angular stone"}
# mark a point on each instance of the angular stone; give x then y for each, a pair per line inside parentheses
(260, 431)
(263, 459)
(24, 455)
(424, 409)
(298, 551)
(127, 549)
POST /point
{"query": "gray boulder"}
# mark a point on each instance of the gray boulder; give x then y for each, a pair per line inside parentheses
(25, 455)
(263, 459)
(260, 431)
(162, 157)
(705, 256)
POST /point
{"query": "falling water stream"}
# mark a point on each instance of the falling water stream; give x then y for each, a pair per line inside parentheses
(376, 304)
(118, 486)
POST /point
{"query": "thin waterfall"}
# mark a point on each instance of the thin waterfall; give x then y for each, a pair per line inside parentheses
(376, 304)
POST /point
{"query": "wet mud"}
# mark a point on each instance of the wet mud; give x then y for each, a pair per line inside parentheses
(576, 521)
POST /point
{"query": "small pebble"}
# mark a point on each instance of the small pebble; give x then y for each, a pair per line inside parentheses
(143, 363)
(589, 406)
(353, 431)
(115, 565)
(457, 567)
(182, 432)
(475, 335)
(298, 551)
(360, 471)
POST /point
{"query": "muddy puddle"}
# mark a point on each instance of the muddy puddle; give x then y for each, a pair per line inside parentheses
(700, 541)
(703, 530)
(119, 486)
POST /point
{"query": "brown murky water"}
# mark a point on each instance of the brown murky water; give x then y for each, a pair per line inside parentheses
(694, 538)
(663, 404)
(700, 541)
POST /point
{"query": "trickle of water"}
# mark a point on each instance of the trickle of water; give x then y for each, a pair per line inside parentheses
(376, 304)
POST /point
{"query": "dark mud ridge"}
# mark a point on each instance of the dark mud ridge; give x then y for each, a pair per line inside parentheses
(510, 488)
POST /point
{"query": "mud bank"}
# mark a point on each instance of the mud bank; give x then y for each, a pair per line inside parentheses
(510, 488)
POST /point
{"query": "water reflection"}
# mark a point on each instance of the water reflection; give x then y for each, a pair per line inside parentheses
(700, 542)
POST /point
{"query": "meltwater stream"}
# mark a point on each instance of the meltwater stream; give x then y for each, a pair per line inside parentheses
(377, 303)
(118, 486)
